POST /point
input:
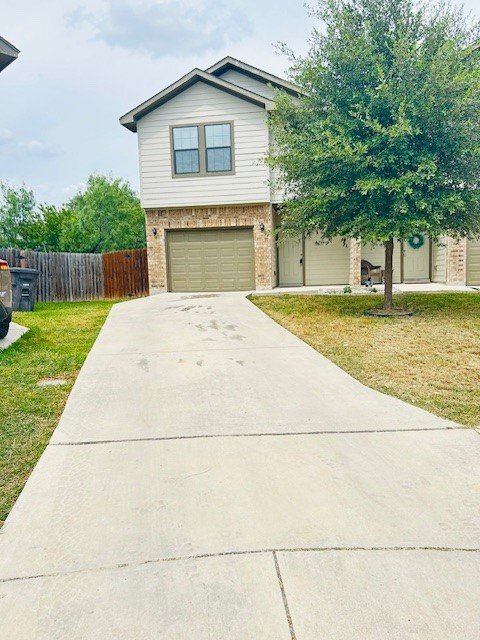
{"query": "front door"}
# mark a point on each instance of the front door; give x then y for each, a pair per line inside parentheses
(416, 259)
(290, 262)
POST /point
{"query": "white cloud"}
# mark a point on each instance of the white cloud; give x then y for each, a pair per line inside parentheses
(31, 147)
(73, 189)
(38, 148)
(5, 136)
(170, 28)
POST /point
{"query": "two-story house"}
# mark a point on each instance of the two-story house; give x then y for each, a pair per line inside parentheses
(210, 200)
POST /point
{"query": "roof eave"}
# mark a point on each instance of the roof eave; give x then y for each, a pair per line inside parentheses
(6, 60)
(8, 53)
(130, 119)
(228, 63)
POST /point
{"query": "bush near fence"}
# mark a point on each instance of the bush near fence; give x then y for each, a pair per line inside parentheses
(84, 276)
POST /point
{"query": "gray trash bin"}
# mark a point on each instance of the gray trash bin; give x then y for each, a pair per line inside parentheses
(24, 288)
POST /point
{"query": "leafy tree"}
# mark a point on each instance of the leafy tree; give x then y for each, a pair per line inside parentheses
(46, 233)
(18, 213)
(105, 216)
(386, 142)
(25, 225)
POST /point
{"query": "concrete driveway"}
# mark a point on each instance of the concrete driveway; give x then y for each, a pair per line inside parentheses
(213, 477)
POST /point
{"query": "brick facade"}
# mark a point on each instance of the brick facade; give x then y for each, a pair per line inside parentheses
(159, 221)
(355, 279)
(456, 261)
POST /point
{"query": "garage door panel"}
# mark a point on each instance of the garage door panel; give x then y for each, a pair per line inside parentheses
(326, 264)
(211, 259)
(375, 254)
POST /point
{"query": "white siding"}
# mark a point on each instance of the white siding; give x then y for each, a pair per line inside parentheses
(326, 264)
(244, 81)
(277, 190)
(439, 260)
(202, 103)
(375, 254)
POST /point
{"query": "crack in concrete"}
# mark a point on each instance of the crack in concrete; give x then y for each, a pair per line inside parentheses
(258, 435)
(221, 554)
(284, 597)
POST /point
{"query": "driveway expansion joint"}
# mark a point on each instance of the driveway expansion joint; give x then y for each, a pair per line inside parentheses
(284, 596)
(222, 554)
(82, 443)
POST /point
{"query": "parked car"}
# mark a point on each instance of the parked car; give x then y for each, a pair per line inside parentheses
(5, 298)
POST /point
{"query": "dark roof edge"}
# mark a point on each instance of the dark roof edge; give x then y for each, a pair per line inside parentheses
(10, 49)
(228, 63)
(129, 120)
(8, 53)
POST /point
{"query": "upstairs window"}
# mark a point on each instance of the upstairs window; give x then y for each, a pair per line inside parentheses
(186, 150)
(218, 145)
(202, 150)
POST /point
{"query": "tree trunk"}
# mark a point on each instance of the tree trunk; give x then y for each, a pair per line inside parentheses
(388, 298)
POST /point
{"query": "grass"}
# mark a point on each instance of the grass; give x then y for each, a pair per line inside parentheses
(431, 359)
(59, 339)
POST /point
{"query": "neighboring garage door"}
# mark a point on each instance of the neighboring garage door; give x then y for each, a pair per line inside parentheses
(375, 254)
(211, 260)
(473, 262)
(326, 263)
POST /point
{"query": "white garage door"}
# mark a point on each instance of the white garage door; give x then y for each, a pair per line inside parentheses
(326, 264)
(473, 262)
(375, 254)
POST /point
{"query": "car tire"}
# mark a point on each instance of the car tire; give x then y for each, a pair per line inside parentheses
(4, 327)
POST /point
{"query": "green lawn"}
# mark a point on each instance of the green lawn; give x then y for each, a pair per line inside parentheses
(60, 337)
(431, 359)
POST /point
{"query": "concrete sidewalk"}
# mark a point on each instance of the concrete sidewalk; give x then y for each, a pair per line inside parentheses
(15, 332)
(401, 287)
(214, 477)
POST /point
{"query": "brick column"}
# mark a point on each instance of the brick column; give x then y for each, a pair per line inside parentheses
(456, 261)
(355, 279)
(264, 247)
(156, 253)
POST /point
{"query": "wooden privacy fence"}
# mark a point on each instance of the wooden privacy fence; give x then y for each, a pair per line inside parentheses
(84, 276)
(125, 273)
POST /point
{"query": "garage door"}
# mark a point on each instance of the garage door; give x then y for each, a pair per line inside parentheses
(326, 263)
(473, 262)
(375, 254)
(211, 260)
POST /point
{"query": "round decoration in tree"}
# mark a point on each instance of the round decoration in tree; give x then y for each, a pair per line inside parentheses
(416, 241)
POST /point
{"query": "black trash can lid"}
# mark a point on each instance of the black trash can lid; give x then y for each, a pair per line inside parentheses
(24, 270)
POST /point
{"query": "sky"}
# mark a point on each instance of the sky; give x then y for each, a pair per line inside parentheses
(85, 63)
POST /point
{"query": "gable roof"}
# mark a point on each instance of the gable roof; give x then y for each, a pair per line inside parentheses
(228, 63)
(212, 77)
(8, 53)
(129, 120)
